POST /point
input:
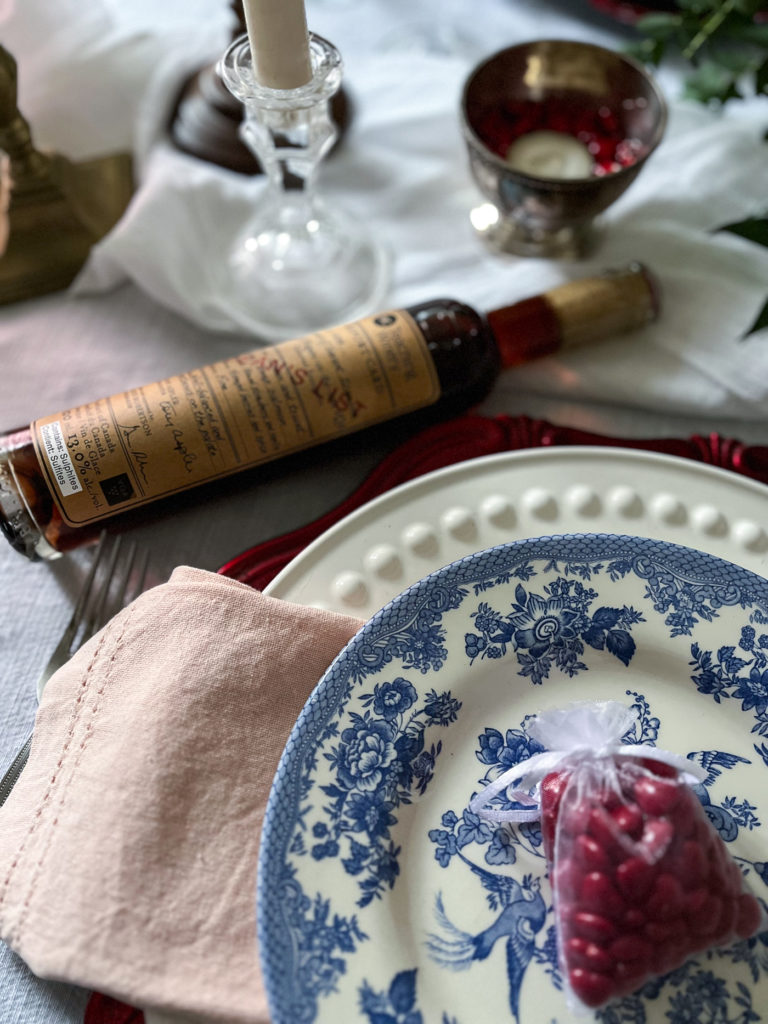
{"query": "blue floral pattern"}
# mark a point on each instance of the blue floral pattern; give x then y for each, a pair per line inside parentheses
(737, 673)
(396, 1005)
(698, 995)
(322, 941)
(553, 628)
(358, 791)
(381, 759)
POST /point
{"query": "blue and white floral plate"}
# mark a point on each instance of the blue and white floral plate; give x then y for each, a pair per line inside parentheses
(382, 899)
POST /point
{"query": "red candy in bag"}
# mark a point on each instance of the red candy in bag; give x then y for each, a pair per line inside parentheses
(640, 878)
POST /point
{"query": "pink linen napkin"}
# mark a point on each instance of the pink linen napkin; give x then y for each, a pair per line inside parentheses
(128, 848)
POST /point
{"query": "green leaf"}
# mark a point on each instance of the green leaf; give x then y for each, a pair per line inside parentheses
(760, 322)
(659, 26)
(723, 41)
(697, 6)
(647, 51)
(757, 34)
(710, 82)
(761, 78)
(736, 63)
(754, 229)
(748, 8)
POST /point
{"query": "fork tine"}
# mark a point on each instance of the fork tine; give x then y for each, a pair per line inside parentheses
(141, 578)
(123, 579)
(71, 630)
(98, 611)
(85, 592)
(119, 597)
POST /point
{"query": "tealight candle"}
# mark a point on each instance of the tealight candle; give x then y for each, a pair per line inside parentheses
(548, 154)
(279, 41)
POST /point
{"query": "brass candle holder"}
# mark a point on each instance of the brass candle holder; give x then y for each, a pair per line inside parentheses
(58, 209)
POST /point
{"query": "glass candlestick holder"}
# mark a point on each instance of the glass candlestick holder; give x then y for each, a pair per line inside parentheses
(299, 265)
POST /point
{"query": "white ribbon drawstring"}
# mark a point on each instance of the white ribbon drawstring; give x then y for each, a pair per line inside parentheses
(581, 731)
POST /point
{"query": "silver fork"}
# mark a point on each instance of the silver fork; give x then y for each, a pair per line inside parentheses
(114, 579)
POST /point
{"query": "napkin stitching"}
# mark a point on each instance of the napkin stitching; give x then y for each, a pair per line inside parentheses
(77, 713)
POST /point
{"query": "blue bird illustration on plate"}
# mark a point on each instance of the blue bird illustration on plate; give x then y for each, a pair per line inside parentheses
(522, 917)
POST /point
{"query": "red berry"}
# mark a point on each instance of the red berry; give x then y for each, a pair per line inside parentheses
(552, 788)
(668, 956)
(690, 864)
(608, 119)
(749, 916)
(695, 900)
(687, 813)
(698, 942)
(592, 989)
(603, 828)
(667, 898)
(567, 879)
(629, 819)
(599, 895)
(735, 878)
(657, 835)
(629, 975)
(581, 952)
(632, 947)
(633, 919)
(727, 923)
(704, 921)
(559, 123)
(675, 931)
(628, 151)
(593, 926)
(591, 854)
(720, 860)
(702, 832)
(609, 798)
(661, 768)
(635, 877)
(656, 796)
(574, 818)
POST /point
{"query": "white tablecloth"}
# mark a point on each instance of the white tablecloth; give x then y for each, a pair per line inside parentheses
(62, 350)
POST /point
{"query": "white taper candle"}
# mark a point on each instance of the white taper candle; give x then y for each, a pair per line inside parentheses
(277, 32)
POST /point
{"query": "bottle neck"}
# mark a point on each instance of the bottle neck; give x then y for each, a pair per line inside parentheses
(526, 330)
(582, 311)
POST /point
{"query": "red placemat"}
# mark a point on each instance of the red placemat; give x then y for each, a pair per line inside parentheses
(467, 437)
(103, 1010)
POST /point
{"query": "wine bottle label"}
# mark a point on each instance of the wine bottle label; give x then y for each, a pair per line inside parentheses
(102, 458)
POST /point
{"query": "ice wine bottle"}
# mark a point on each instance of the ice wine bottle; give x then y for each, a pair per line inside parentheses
(64, 474)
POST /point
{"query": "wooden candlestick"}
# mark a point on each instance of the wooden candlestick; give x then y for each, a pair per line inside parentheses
(206, 117)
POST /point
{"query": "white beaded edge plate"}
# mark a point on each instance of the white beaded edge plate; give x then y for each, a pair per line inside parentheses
(383, 898)
(391, 542)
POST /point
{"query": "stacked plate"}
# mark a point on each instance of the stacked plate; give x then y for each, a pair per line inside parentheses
(505, 586)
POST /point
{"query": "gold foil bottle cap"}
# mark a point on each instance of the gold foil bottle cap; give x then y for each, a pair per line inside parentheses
(599, 307)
